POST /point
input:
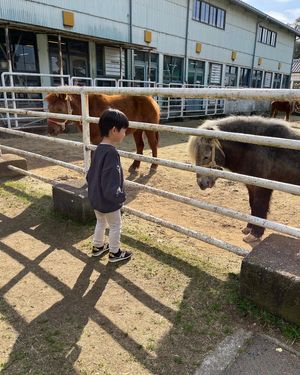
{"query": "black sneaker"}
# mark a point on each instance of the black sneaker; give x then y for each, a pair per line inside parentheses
(98, 251)
(119, 256)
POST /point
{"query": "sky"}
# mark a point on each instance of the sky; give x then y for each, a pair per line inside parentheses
(285, 11)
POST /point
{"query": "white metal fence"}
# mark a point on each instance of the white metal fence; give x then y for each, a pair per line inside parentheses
(171, 108)
(194, 93)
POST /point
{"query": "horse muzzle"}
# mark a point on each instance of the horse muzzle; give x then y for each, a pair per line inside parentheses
(55, 128)
(205, 182)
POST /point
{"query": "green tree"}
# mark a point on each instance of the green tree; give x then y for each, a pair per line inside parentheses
(296, 26)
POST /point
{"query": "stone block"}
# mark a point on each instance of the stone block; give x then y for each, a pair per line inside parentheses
(71, 200)
(270, 276)
(14, 160)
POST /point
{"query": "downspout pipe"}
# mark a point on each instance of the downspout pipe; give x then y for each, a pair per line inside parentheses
(291, 69)
(186, 42)
(131, 40)
(254, 52)
(254, 48)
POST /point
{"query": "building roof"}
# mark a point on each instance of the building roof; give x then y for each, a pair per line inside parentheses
(265, 16)
(296, 66)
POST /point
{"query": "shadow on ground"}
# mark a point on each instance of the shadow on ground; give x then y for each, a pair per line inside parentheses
(48, 344)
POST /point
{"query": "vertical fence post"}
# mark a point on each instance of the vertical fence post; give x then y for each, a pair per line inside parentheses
(85, 131)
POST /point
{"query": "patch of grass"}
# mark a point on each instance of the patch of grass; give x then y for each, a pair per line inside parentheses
(178, 359)
(151, 345)
(54, 341)
(248, 309)
(188, 327)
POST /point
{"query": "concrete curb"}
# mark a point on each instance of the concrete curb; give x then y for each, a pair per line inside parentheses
(225, 353)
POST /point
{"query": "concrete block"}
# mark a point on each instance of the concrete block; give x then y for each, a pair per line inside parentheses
(14, 160)
(72, 201)
(270, 276)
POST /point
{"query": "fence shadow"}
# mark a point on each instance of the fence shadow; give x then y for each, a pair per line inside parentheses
(49, 343)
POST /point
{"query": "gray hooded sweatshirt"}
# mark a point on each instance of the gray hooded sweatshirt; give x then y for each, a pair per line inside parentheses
(105, 180)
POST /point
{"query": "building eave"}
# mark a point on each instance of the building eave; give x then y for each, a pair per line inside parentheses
(74, 35)
(265, 16)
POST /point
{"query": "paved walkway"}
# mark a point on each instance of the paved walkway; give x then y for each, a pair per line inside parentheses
(245, 353)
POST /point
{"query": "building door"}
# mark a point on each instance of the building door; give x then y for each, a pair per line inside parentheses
(141, 66)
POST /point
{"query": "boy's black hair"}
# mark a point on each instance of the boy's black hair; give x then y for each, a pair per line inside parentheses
(111, 118)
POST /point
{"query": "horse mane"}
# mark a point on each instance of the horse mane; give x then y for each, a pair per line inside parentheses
(256, 125)
(195, 140)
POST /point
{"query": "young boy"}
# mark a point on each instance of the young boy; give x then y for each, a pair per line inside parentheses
(105, 186)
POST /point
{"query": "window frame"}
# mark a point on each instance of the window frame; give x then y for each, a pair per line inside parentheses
(267, 74)
(231, 71)
(244, 77)
(266, 36)
(254, 78)
(209, 14)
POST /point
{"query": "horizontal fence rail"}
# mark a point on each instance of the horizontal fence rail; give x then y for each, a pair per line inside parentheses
(45, 158)
(188, 232)
(237, 137)
(287, 188)
(209, 93)
(217, 209)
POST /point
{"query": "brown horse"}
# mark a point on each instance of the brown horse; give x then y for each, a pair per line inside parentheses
(260, 161)
(283, 106)
(136, 108)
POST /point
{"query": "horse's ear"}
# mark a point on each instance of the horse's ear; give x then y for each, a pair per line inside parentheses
(49, 97)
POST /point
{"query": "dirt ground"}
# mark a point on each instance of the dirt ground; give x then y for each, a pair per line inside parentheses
(62, 312)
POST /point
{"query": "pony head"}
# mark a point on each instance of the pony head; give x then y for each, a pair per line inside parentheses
(58, 103)
(206, 152)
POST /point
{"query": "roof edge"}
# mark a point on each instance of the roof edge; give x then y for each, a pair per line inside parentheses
(265, 15)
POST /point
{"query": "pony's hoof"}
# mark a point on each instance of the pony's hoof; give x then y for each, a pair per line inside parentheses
(132, 169)
(154, 166)
(246, 230)
(250, 238)
(153, 169)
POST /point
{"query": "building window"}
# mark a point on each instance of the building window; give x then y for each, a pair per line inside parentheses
(266, 36)
(75, 56)
(196, 72)
(276, 81)
(230, 75)
(3, 56)
(244, 77)
(285, 81)
(215, 74)
(173, 69)
(141, 66)
(256, 79)
(268, 80)
(100, 60)
(209, 14)
(23, 51)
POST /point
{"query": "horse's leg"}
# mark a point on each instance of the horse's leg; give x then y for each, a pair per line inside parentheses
(248, 227)
(153, 143)
(138, 138)
(260, 203)
(272, 111)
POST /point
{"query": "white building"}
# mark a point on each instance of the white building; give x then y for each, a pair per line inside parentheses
(213, 42)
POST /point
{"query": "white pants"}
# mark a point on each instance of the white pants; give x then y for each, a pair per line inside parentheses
(113, 221)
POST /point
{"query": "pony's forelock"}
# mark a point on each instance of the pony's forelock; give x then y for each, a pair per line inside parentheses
(195, 140)
(192, 147)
